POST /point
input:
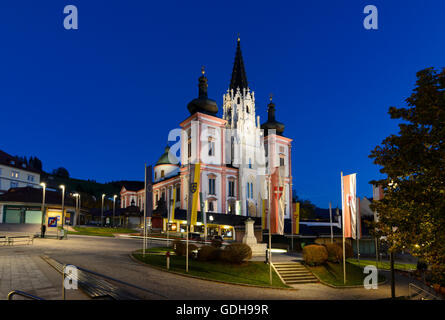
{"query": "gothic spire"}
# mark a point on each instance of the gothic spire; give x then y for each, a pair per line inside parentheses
(239, 78)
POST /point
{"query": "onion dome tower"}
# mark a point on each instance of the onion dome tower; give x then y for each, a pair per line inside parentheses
(203, 104)
(271, 123)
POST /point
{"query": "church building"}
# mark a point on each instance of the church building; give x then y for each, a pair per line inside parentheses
(245, 166)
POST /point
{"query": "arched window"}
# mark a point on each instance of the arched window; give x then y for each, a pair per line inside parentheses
(247, 109)
(239, 100)
(162, 173)
(250, 163)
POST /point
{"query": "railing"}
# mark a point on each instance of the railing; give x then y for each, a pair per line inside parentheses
(424, 295)
(23, 294)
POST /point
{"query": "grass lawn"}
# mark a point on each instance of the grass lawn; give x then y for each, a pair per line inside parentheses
(332, 273)
(252, 272)
(97, 231)
(383, 265)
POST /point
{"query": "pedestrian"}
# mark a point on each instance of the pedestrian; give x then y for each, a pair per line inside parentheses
(43, 230)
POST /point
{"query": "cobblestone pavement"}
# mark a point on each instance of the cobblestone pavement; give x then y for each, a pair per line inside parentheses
(110, 256)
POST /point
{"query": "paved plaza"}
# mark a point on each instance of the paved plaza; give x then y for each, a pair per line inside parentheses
(21, 268)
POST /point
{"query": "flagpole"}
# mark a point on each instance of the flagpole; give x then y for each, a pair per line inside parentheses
(292, 217)
(144, 244)
(187, 225)
(343, 229)
(330, 220)
(357, 226)
(270, 236)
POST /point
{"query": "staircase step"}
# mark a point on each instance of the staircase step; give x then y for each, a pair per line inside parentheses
(294, 272)
(301, 281)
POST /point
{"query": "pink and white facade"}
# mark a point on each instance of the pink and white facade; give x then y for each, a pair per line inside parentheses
(236, 155)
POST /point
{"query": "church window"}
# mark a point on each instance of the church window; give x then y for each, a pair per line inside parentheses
(211, 147)
(162, 173)
(212, 186)
(247, 109)
(189, 148)
(281, 161)
(232, 150)
(178, 193)
(248, 190)
(250, 163)
(239, 100)
(211, 206)
(231, 188)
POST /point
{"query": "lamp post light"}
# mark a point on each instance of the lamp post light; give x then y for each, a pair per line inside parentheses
(77, 196)
(114, 209)
(43, 211)
(102, 211)
(63, 207)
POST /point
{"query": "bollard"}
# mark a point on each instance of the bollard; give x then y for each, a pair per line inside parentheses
(168, 259)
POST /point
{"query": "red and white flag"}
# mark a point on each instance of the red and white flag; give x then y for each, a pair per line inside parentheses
(349, 205)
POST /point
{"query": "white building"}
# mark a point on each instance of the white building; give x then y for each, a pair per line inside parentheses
(15, 174)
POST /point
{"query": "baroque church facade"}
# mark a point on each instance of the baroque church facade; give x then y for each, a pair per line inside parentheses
(245, 165)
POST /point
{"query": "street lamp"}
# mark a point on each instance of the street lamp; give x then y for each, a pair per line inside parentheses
(102, 211)
(43, 210)
(114, 209)
(63, 207)
(77, 196)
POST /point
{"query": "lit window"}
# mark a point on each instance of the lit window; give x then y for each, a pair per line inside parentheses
(14, 174)
(162, 173)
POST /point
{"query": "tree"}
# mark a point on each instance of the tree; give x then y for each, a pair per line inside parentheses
(412, 212)
(61, 172)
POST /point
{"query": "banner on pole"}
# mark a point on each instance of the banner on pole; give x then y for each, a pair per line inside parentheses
(192, 212)
(172, 216)
(349, 205)
(296, 218)
(149, 191)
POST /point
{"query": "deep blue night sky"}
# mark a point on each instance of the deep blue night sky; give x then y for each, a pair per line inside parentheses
(101, 100)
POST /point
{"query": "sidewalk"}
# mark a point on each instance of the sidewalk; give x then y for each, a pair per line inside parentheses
(26, 272)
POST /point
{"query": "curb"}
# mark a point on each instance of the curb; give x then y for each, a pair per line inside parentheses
(205, 279)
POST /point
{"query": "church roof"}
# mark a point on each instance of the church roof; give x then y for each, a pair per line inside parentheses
(164, 159)
(239, 77)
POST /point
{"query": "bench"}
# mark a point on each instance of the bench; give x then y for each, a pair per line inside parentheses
(11, 240)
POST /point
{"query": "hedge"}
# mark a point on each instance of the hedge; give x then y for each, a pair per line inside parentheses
(315, 254)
